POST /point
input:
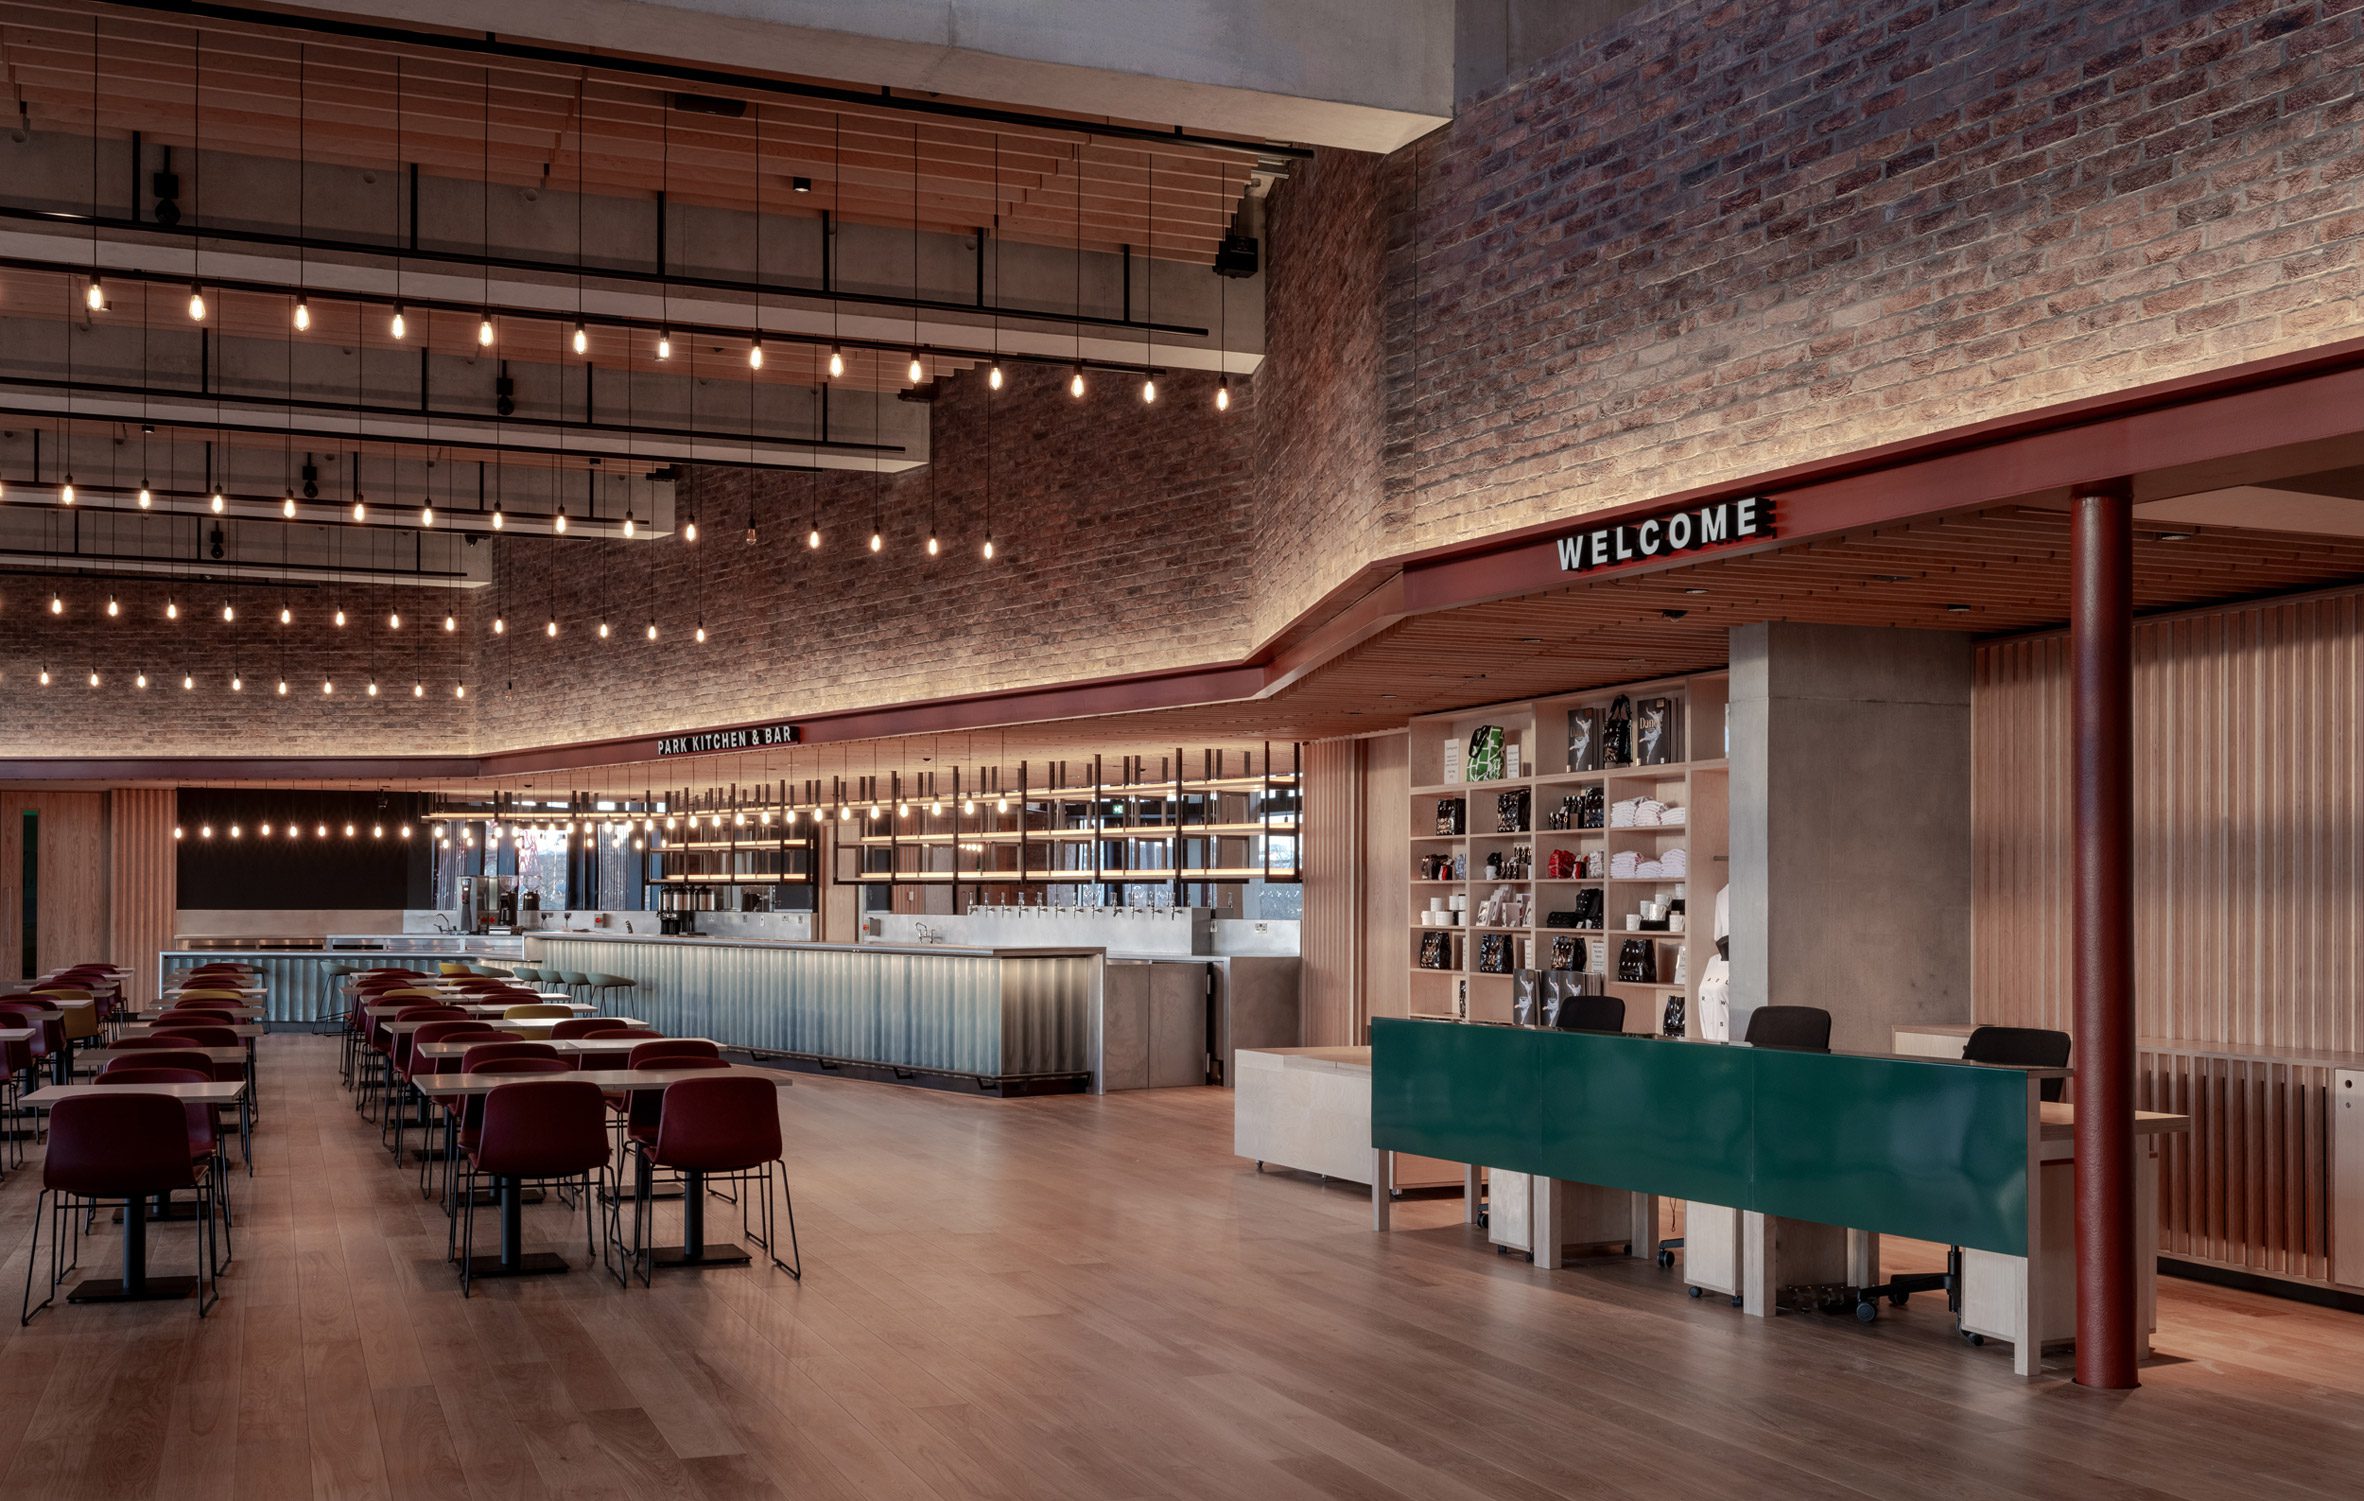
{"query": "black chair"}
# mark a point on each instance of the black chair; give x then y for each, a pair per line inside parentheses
(1590, 1013)
(1804, 1029)
(2009, 1047)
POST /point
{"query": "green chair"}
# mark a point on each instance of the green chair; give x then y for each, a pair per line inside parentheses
(602, 986)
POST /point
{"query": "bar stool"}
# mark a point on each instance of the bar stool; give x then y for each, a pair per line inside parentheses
(122, 1148)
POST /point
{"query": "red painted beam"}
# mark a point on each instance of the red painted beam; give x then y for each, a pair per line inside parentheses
(2101, 719)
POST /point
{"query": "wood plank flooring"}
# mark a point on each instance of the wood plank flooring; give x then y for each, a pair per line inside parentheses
(1075, 1298)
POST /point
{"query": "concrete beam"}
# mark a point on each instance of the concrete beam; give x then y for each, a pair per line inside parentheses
(1366, 75)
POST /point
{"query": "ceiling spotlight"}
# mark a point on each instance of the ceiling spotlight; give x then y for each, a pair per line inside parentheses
(426, 513)
(1148, 390)
(397, 326)
(755, 354)
(813, 537)
(876, 542)
(360, 509)
(303, 314)
(196, 303)
(1223, 394)
(484, 331)
(147, 496)
(582, 339)
(287, 507)
(1075, 384)
(836, 360)
(665, 344)
(497, 519)
(993, 376)
(94, 296)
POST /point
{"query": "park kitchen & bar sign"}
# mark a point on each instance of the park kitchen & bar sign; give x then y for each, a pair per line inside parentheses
(1718, 523)
(751, 737)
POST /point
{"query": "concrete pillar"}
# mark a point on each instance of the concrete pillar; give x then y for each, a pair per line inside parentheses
(1850, 813)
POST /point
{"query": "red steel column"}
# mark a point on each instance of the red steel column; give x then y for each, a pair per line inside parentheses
(2101, 717)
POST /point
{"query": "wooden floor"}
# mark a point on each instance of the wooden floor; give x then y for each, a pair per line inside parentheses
(1076, 1298)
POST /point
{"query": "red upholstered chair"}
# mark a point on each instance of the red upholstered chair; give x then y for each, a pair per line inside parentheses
(215, 1034)
(157, 1052)
(636, 1111)
(433, 1109)
(125, 1148)
(208, 1143)
(540, 1130)
(586, 1026)
(726, 1128)
(503, 1058)
(16, 1066)
(50, 1043)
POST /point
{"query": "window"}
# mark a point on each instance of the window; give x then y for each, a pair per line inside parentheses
(541, 867)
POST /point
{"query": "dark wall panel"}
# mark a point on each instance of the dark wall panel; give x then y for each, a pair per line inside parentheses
(255, 870)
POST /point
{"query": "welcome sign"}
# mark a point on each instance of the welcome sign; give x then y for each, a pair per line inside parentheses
(1719, 523)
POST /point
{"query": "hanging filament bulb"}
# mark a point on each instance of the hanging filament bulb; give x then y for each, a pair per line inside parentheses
(147, 496)
(393, 620)
(172, 609)
(228, 613)
(500, 626)
(836, 361)
(993, 376)
(1148, 390)
(286, 615)
(396, 325)
(188, 682)
(360, 509)
(755, 355)
(934, 546)
(550, 627)
(916, 370)
(876, 541)
(418, 690)
(558, 522)
(582, 339)
(451, 622)
(1001, 805)
(140, 681)
(44, 677)
(327, 687)
(484, 331)
(287, 506)
(65, 492)
(629, 524)
(219, 502)
(1075, 382)
(94, 296)
(813, 538)
(113, 609)
(303, 314)
(652, 630)
(1223, 394)
(340, 617)
(603, 630)
(699, 635)
(497, 517)
(459, 690)
(372, 689)
(988, 549)
(237, 683)
(665, 344)
(689, 530)
(426, 513)
(57, 603)
(196, 303)
(283, 687)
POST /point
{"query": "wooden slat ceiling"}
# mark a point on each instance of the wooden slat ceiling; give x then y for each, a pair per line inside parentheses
(539, 124)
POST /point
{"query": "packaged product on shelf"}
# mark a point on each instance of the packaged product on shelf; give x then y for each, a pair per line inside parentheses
(1654, 732)
(1486, 753)
(1451, 813)
(1617, 733)
(1584, 740)
(1524, 998)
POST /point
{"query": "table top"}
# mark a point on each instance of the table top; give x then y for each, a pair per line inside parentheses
(225, 1092)
(494, 1008)
(238, 1029)
(562, 1044)
(605, 1078)
(18, 1034)
(1346, 1059)
(519, 1023)
(2060, 1122)
(235, 1013)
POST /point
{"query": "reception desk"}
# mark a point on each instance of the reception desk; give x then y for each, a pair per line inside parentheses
(1005, 1021)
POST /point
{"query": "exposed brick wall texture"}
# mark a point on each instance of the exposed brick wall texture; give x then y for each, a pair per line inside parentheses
(70, 718)
(1119, 537)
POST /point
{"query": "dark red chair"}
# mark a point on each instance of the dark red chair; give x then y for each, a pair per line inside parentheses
(199, 1034)
(157, 1052)
(636, 1110)
(540, 1130)
(436, 1109)
(207, 1140)
(726, 1128)
(124, 1148)
(586, 1026)
(49, 1028)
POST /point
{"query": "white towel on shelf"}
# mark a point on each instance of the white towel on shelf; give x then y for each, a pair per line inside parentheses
(1621, 813)
(1673, 818)
(1622, 865)
(1675, 863)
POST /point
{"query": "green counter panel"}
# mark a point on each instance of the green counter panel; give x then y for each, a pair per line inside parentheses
(1929, 1149)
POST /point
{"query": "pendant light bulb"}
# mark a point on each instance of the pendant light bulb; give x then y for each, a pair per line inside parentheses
(418, 690)
(934, 546)
(603, 630)
(665, 344)
(700, 633)
(188, 682)
(582, 339)
(993, 376)
(237, 683)
(228, 613)
(396, 325)
(219, 503)
(968, 805)
(550, 627)
(372, 689)
(94, 296)
(65, 492)
(303, 315)
(916, 371)
(988, 549)
(360, 510)
(652, 630)
(876, 542)
(500, 626)
(140, 681)
(459, 690)
(812, 539)
(836, 361)
(755, 355)
(327, 687)
(689, 530)
(1075, 382)
(44, 677)
(484, 331)
(286, 615)
(451, 622)
(558, 522)
(498, 522)
(147, 496)
(283, 687)
(1223, 394)
(57, 605)
(287, 507)
(113, 609)
(196, 303)
(172, 609)
(1001, 805)
(340, 617)
(393, 620)
(630, 526)
(426, 513)
(1148, 390)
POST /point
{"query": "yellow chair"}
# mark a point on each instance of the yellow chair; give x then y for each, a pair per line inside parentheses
(534, 1011)
(79, 1022)
(448, 970)
(209, 995)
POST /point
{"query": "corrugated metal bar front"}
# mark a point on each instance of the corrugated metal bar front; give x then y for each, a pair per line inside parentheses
(1047, 1002)
(300, 985)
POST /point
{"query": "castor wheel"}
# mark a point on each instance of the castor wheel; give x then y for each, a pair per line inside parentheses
(1697, 1291)
(1665, 1259)
(1975, 1339)
(1898, 1299)
(1866, 1311)
(1737, 1300)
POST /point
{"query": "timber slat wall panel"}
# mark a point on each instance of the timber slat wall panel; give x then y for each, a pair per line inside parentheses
(1330, 937)
(146, 884)
(1387, 899)
(2249, 937)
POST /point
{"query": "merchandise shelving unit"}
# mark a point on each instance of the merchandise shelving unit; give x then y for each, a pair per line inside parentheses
(1535, 731)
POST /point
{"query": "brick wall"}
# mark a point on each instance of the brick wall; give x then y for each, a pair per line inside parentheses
(1119, 547)
(1714, 239)
(69, 718)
